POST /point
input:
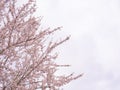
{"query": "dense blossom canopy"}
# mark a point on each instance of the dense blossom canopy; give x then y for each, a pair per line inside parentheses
(26, 58)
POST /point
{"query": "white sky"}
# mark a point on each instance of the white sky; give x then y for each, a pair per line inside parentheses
(94, 47)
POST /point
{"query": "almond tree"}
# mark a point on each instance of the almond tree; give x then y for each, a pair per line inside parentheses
(27, 60)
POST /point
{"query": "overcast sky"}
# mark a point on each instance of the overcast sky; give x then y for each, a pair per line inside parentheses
(94, 47)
